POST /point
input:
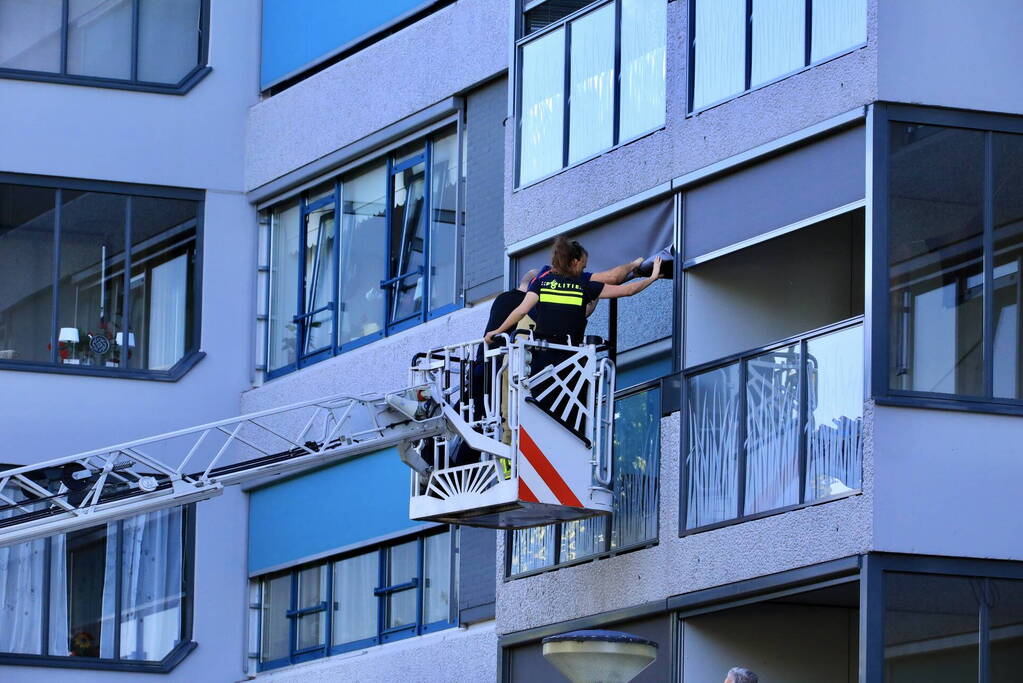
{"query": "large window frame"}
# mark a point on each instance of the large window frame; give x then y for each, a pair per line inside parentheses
(187, 82)
(741, 359)
(382, 592)
(168, 663)
(883, 115)
(808, 61)
(393, 166)
(565, 24)
(556, 530)
(192, 354)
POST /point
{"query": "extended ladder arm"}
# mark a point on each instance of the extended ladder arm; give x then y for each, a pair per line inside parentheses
(85, 489)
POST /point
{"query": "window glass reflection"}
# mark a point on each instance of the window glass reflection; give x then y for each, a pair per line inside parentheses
(834, 439)
(355, 605)
(100, 38)
(30, 34)
(443, 222)
(936, 238)
(284, 265)
(772, 429)
(363, 252)
(408, 242)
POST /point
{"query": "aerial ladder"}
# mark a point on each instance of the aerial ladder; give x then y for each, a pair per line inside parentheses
(491, 442)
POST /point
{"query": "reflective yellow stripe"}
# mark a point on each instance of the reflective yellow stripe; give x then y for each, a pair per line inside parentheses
(560, 292)
(559, 299)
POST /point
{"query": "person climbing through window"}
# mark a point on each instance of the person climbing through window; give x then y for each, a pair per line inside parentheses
(562, 297)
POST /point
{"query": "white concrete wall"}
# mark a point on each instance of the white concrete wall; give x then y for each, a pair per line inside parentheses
(196, 141)
(951, 54)
(946, 483)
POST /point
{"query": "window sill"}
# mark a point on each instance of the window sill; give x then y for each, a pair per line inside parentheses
(767, 513)
(588, 159)
(180, 88)
(958, 403)
(166, 665)
(179, 370)
(765, 84)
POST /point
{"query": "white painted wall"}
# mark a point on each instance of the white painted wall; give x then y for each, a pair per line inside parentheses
(952, 54)
(947, 483)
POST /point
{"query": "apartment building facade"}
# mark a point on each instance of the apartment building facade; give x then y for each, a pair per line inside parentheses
(817, 415)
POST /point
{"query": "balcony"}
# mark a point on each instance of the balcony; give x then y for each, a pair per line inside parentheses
(774, 429)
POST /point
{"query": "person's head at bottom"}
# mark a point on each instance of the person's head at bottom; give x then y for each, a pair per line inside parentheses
(568, 258)
(738, 674)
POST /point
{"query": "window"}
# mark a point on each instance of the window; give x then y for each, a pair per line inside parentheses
(363, 598)
(370, 253)
(588, 80)
(774, 429)
(110, 596)
(98, 281)
(152, 45)
(635, 484)
(940, 627)
(741, 44)
(955, 247)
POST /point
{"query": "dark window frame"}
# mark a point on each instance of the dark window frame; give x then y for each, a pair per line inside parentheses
(187, 82)
(168, 663)
(884, 114)
(741, 358)
(565, 24)
(608, 551)
(192, 354)
(808, 63)
(873, 599)
(381, 592)
(390, 327)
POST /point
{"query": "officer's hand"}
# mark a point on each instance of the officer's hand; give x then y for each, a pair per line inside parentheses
(656, 272)
(489, 337)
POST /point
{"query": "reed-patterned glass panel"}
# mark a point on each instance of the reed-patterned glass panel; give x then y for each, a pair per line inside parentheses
(834, 425)
(772, 430)
(712, 459)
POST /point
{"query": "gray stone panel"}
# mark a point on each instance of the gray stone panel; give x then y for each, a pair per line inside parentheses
(484, 190)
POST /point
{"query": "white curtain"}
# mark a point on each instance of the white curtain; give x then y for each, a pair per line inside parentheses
(21, 591)
(58, 597)
(837, 25)
(151, 593)
(720, 50)
(591, 115)
(778, 38)
(355, 614)
(167, 313)
(643, 39)
(543, 106)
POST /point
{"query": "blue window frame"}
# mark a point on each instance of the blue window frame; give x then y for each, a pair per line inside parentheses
(370, 253)
(145, 45)
(373, 595)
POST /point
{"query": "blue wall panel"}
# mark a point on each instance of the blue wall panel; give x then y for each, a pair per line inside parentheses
(352, 501)
(298, 33)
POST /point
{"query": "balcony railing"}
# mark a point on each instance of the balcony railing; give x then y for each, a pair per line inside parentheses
(774, 429)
